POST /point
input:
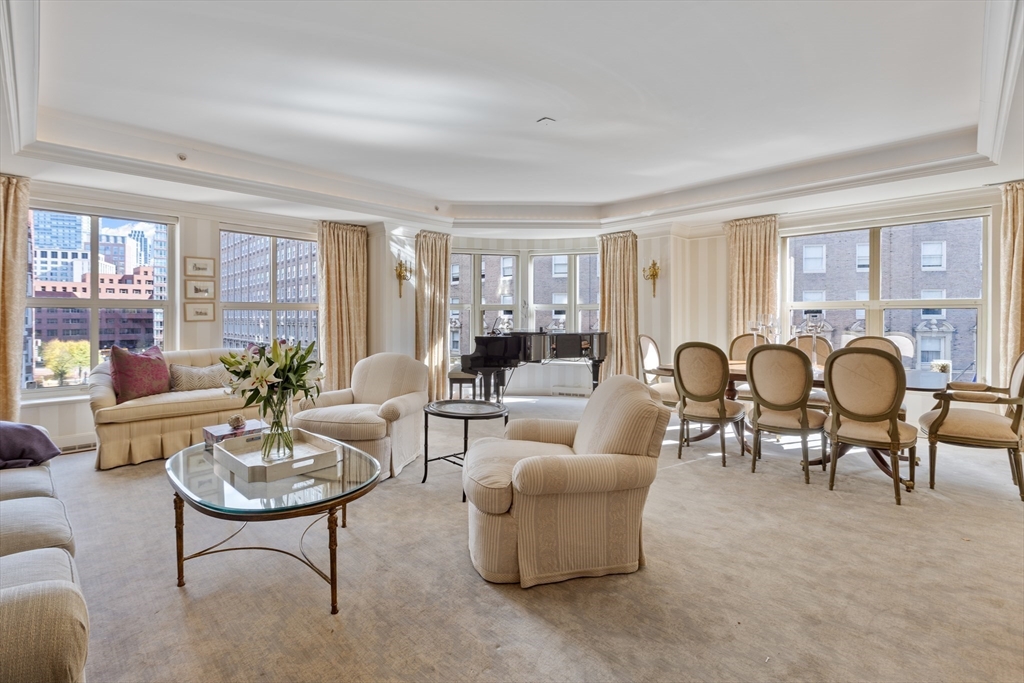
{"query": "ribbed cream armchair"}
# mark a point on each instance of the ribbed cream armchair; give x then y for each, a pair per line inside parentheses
(381, 413)
(559, 499)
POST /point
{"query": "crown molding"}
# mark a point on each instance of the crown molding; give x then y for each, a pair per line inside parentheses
(55, 137)
(891, 211)
(1003, 52)
(19, 67)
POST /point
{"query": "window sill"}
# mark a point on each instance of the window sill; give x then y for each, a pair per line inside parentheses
(36, 401)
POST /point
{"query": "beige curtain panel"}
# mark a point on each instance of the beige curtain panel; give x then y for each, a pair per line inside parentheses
(1011, 279)
(342, 262)
(618, 316)
(13, 284)
(753, 270)
(433, 274)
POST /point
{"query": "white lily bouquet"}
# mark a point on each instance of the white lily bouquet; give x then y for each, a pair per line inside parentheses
(271, 378)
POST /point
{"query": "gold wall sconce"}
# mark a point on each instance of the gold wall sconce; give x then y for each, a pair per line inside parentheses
(651, 273)
(403, 273)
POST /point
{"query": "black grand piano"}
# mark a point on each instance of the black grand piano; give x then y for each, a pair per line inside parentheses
(494, 354)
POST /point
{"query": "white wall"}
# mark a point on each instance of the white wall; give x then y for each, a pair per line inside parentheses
(391, 321)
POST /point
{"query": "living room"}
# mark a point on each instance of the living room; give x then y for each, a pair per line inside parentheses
(527, 133)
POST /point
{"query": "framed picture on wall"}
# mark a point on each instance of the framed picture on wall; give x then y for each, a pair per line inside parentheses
(200, 289)
(199, 267)
(200, 313)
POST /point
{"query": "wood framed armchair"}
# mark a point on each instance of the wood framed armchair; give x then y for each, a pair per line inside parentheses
(979, 428)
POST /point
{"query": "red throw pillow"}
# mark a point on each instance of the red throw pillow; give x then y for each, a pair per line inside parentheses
(138, 375)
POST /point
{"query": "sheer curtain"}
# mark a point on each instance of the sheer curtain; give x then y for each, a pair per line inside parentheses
(618, 316)
(753, 270)
(1011, 329)
(13, 274)
(433, 275)
(341, 260)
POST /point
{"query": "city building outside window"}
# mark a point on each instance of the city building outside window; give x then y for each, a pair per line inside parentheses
(268, 289)
(906, 308)
(863, 257)
(559, 266)
(568, 302)
(934, 313)
(814, 258)
(71, 323)
(933, 255)
(455, 274)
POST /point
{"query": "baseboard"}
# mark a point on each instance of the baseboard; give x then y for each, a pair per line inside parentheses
(75, 443)
(580, 392)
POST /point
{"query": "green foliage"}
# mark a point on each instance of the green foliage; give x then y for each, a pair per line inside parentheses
(61, 357)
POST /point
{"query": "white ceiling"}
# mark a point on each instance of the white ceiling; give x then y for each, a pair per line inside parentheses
(383, 109)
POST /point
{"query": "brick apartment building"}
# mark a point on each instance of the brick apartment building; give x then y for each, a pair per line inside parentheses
(930, 262)
(126, 327)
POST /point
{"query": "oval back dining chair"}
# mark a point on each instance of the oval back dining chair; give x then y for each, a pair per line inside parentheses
(883, 344)
(804, 342)
(780, 383)
(871, 342)
(653, 373)
(866, 387)
(977, 428)
(702, 376)
(741, 345)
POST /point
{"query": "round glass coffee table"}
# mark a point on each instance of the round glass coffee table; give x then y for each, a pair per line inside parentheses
(464, 410)
(216, 491)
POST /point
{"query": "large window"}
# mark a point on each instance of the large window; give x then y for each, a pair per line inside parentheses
(562, 291)
(489, 305)
(93, 281)
(268, 289)
(923, 290)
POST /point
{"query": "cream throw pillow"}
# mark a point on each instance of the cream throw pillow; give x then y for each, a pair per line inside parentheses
(189, 378)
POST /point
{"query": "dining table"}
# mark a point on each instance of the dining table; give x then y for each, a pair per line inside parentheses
(917, 380)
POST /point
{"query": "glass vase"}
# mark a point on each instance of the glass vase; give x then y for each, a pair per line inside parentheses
(276, 411)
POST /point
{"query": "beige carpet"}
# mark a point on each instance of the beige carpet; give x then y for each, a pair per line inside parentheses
(750, 577)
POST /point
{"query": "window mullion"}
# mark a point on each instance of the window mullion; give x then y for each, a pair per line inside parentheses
(874, 317)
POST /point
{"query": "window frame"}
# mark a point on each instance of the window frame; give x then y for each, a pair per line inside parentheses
(572, 307)
(875, 306)
(272, 306)
(94, 304)
(524, 312)
(941, 315)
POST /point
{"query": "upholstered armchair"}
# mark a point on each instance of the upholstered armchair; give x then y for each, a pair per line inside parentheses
(979, 428)
(381, 413)
(822, 348)
(558, 499)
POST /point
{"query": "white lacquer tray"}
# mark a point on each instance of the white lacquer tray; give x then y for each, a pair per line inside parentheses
(243, 456)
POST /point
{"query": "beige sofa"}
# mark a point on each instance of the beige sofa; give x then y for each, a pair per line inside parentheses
(154, 427)
(44, 623)
(558, 499)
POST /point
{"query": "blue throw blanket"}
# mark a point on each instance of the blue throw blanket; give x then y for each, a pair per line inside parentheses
(24, 445)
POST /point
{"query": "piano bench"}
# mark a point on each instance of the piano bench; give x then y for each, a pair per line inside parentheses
(456, 376)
